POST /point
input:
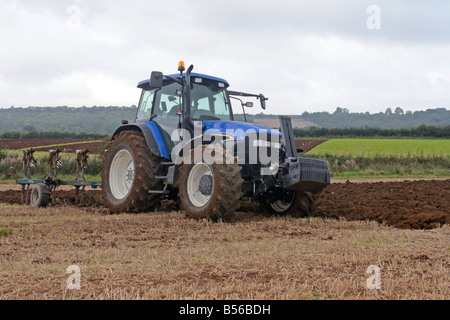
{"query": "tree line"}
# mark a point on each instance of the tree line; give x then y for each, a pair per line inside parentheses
(418, 132)
(392, 118)
(101, 120)
(342, 118)
(105, 120)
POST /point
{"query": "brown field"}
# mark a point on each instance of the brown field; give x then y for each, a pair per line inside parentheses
(308, 145)
(163, 255)
(21, 144)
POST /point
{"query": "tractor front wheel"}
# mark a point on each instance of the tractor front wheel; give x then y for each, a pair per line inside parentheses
(210, 191)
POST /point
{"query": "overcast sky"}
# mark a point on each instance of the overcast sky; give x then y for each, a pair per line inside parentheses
(304, 55)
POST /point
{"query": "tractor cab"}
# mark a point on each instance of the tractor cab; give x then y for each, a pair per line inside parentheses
(176, 101)
(165, 105)
(209, 99)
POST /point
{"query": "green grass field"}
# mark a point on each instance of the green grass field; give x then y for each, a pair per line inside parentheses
(384, 148)
(385, 158)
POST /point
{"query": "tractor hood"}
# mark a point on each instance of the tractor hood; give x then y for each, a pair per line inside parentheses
(237, 129)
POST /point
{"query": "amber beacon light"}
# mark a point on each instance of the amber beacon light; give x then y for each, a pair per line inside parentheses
(181, 66)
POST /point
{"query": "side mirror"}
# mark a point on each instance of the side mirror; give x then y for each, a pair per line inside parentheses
(263, 101)
(156, 79)
(249, 104)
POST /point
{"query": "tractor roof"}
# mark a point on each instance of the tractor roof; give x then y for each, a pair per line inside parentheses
(145, 83)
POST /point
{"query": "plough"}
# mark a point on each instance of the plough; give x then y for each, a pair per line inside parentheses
(43, 191)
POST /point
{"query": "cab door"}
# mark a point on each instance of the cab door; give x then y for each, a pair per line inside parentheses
(166, 104)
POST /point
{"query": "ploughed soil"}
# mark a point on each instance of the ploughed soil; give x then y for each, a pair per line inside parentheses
(404, 205)
(21, 144)
(308, 145)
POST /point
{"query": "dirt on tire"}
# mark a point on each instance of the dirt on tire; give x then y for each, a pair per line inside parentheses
(404, 205)
(226, 190)
(146, 167)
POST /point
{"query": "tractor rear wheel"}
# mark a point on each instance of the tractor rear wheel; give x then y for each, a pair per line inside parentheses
(129, 171)
(211, 191)
(296, 204)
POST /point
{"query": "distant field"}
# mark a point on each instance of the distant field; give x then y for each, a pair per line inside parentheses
(384, 148)
(66, 145)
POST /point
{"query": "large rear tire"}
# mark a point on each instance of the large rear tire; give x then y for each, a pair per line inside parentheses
(211, 191)
(128, 174)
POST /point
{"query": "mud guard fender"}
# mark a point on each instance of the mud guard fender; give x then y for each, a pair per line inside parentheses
(148, 134)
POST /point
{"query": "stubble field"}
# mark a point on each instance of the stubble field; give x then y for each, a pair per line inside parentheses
(163, 255)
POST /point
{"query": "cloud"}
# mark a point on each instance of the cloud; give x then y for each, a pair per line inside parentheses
(306, 56)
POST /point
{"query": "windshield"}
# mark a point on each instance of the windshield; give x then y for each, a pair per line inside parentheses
(209, 101)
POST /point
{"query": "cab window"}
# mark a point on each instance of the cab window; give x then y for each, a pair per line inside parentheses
(145, 106)
(209, 101)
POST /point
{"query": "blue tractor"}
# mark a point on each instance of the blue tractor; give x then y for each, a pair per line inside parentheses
(185, 145)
